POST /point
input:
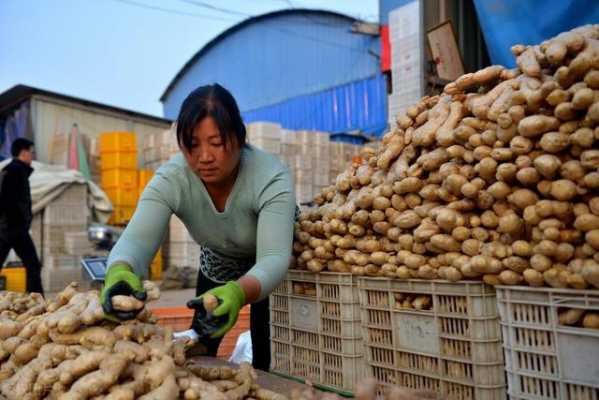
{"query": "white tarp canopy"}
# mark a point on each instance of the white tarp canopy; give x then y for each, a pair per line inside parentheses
(49, 181)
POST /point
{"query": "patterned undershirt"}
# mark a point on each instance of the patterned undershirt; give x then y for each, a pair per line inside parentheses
(220, 268)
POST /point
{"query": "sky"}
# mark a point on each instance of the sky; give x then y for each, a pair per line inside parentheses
(123, 52)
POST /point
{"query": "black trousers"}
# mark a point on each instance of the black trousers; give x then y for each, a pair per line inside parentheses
(259, 328)
(21, 242)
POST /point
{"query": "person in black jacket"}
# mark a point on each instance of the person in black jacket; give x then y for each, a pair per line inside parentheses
(16, 215)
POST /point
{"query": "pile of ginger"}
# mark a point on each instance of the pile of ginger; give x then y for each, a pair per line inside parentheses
(496, 179)
(66, 349)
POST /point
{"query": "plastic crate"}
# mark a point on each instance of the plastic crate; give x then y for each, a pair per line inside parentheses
(16, 279)
(453, 348)
(118, 160)
(111, 142)
(124, 179)
(57, 214)
(122, 197)
(317, 336)
(144, 177)
(121, 215)
(543, 358)
(156, 266)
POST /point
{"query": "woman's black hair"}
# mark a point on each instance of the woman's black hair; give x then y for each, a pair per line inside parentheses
(210, 101)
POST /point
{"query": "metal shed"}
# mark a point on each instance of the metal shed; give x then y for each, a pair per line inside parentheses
(302, 68)
(40, 114)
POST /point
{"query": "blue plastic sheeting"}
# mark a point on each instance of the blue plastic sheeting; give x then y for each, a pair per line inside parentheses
(508, 22)
(359, 105)
(15, 126)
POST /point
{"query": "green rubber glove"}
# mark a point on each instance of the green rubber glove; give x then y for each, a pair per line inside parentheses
(120, 280)
(231, 298)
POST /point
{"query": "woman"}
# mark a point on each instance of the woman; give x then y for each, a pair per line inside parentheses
(236, 201)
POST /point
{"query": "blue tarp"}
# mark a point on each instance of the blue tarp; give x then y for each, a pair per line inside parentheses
(508, 22)
(14, 127)
(359, 105)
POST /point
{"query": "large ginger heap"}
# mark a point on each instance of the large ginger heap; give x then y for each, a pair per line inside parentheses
(66, 350)
(496, 179)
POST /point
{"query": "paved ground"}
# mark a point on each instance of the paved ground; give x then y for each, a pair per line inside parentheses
(174, 298)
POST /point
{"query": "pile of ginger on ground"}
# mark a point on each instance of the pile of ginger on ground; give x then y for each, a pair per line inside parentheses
(65, 349)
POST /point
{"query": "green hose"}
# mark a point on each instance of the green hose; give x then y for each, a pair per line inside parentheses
(318, 386)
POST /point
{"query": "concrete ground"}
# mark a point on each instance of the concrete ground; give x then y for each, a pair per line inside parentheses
(174, 298)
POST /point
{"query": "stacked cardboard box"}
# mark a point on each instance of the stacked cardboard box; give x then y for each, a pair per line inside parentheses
(312, 158)
(303, 166)
(265, 136)
(158, 148)
(321, 162)
(341, 155)
(77, 243)
(289, 150)
(182, 249)
(64, 224)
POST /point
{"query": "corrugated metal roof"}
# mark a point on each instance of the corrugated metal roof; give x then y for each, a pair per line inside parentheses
(18, 93)
(241, 25)
(287, 54)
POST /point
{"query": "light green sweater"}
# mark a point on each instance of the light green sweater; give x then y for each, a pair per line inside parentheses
(257, 221)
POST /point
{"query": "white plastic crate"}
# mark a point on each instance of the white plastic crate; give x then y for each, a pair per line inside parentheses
(74, 194)
(319, 331)
(453, 348)
(546, 360)
(66, 214)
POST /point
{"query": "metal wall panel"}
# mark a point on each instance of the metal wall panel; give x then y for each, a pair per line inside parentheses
(357, 105)
(50, 117)
(278, 58)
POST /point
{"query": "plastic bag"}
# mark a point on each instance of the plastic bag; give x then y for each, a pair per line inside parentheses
(243, 349)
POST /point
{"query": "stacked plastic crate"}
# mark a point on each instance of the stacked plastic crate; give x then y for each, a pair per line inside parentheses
(144, 177)
(547, 357)
(315, 329)
(118, 163)
(64, 224)
(433, 335)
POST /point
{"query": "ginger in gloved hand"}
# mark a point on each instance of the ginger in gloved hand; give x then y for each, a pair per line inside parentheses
(121, 281)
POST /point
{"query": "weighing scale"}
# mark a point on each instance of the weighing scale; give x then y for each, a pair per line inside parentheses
(95, 268)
